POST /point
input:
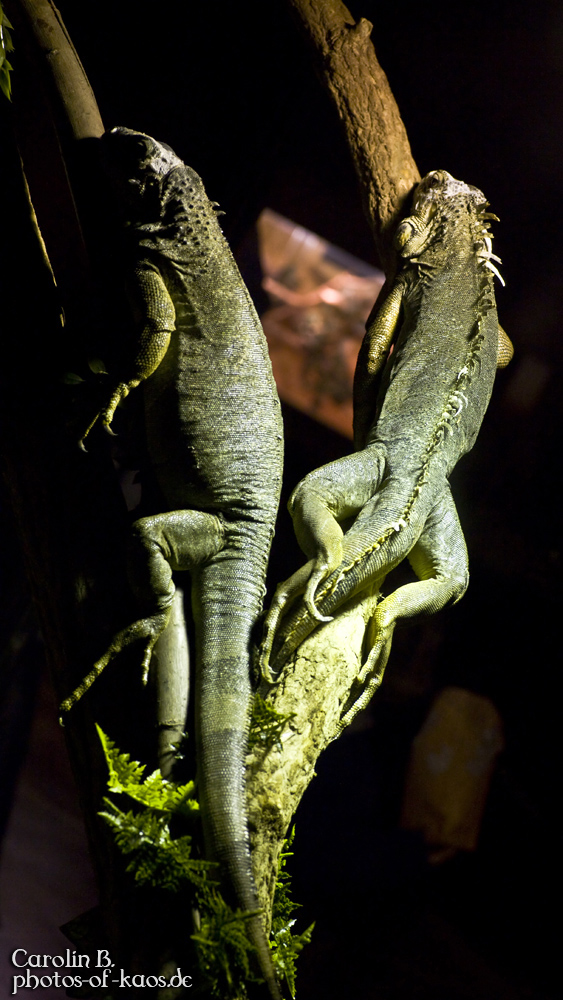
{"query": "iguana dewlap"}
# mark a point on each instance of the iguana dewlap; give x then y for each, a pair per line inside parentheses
(214, 436)
(417, 410)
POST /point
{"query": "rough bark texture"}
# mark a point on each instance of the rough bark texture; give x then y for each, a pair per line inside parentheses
(348, 67)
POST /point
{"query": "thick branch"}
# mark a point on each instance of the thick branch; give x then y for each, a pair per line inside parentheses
(375, 133)
(68, 82)
(314, 687)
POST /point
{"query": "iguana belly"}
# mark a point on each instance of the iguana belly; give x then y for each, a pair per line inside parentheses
(213, 417)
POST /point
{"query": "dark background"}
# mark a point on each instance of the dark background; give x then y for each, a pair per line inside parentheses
(231, 88)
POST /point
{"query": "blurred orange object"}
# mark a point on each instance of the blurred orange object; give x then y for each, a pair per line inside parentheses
(451, 765)
(321, 298)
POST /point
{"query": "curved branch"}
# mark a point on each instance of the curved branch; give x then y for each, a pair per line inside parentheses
(376, 136)
(78, 110)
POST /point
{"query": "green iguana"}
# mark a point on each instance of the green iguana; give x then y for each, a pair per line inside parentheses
(214, 437)
(435, 386)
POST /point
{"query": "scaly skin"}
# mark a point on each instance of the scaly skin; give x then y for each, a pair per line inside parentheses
(214, 435)
(434, 389)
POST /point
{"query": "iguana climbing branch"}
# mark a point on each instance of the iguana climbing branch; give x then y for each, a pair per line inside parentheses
(416, 412)
(214, 436)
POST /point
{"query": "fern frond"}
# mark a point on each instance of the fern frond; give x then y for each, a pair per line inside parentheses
(266, 724)
(224, 948)
(286, 948)
(285, 945)
(158, 860)
(154, 792)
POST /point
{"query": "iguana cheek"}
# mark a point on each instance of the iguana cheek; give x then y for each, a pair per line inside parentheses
(404, 233)
(411, 237)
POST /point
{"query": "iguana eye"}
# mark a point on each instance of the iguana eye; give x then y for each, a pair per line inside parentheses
(435, 178)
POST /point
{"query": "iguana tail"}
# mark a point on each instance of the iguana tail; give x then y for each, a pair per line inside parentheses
(228, 605)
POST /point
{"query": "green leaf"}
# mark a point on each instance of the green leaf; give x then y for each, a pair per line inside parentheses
(123, 772)
(6, 45)
(158, 860)
(224, 948)
(96, 365)
(155, 792)
(285, 945)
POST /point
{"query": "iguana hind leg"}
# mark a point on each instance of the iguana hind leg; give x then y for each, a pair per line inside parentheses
(319, 503)
(439, 559)
(179, 540)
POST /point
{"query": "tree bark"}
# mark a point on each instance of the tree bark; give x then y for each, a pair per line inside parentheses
(347, 65)
(76, 109)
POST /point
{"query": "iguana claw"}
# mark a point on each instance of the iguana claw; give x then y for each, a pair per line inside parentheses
(368, 679)
(146, 628)
(309, 597)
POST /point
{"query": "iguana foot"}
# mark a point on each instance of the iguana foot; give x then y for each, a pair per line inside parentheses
(147, 629)
(106, 414)
(368, 680)
(285, 595)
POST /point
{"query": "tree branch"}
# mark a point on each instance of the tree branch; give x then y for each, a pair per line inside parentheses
(67, 82)
(347, 65)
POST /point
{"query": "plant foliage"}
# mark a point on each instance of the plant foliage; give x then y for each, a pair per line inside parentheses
(286, 946)
(6, 45)
(165, 861)
(266, 725)
(157, 858)
(224, 948)
(154, 791)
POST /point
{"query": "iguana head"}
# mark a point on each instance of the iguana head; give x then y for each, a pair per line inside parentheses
(444, 209)
(163, 199)
(137, 164)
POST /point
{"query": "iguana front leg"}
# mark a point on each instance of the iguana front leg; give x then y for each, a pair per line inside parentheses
(371, 359)
(159, 318)
(439, 559)
(338, 491)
